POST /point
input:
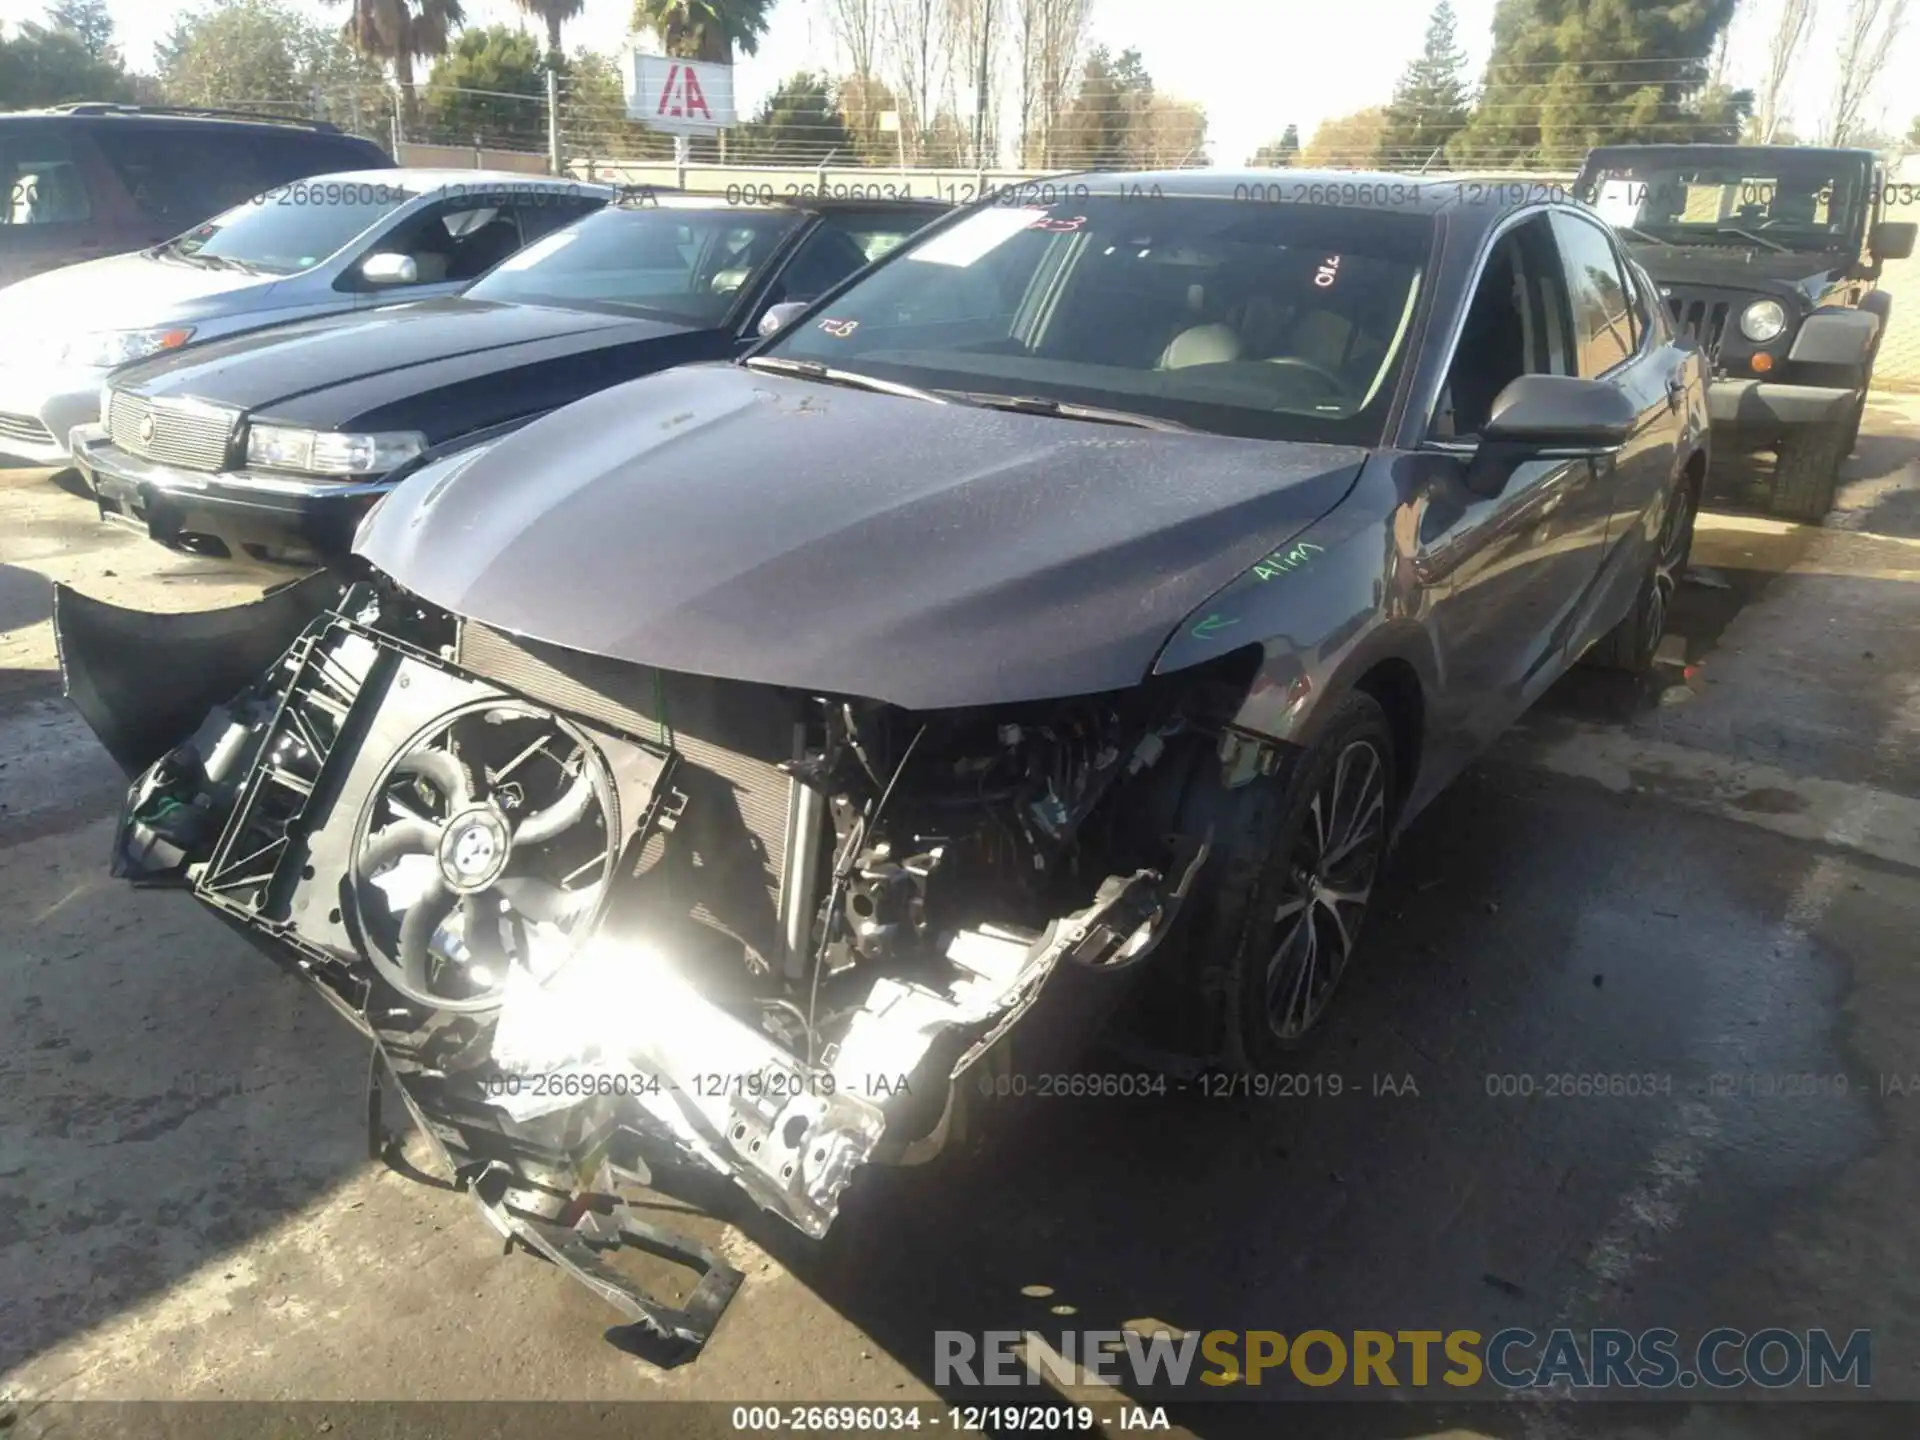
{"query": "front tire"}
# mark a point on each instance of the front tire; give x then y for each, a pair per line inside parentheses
(1858, 414)
(1293, 895)
(1808, 472)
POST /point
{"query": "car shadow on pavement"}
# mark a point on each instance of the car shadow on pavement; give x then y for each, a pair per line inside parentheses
(1867, 498)
(172, 1097)
(1526, 929)
(169, 1096)
(26, 598)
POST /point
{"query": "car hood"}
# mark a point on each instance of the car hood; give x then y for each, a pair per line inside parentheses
(753, 527)
(121, 292)
(1731, 267)
(334, 369)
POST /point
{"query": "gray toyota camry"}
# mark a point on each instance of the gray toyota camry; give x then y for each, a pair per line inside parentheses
(1050, 629)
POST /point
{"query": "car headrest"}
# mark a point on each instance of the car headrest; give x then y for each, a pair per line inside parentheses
(1202, 345)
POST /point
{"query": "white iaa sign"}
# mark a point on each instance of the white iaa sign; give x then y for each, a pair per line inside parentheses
(681, 97)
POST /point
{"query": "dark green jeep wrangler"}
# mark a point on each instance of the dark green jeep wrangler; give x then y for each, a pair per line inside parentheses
(1767, 255)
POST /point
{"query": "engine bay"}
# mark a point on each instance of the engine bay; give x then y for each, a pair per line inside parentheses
(596, 918)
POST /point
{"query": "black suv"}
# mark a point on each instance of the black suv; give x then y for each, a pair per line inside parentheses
(82, 181)
(1768, 257)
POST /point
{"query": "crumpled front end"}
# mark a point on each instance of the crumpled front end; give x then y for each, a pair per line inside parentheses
(601, 920)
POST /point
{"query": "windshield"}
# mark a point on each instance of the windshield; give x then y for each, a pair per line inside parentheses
(687, 265)
(291, 228)
(1272, 322)
(1788, 200)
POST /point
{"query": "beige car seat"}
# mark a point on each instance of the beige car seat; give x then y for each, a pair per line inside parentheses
(1212, 344)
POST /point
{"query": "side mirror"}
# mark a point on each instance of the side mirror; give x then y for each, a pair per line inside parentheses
(1892, 239)
(1561, 413)
(390, 269)
(1548, 417)
(778, 317)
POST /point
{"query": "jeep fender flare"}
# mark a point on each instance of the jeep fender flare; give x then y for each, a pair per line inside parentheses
(1834, 335)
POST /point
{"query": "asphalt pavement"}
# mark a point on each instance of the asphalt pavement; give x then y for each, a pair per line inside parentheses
(1710, 882)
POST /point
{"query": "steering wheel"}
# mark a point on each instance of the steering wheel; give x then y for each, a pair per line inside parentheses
(1334, 383)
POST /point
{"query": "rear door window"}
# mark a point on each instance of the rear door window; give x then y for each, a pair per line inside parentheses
(177, 177)
(1603, 328)
(44, 182)
(276, 159)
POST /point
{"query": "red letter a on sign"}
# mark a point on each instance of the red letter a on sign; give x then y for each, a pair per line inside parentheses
(696, 98)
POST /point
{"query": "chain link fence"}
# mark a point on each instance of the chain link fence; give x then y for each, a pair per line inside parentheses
(595, 139)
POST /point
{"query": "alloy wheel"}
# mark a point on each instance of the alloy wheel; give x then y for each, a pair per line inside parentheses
(1670, 561)
(1323, 896)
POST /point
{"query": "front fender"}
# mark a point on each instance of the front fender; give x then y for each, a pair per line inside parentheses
(1326, 607)
(1835, 337)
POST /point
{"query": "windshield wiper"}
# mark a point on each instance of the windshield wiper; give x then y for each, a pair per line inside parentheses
(1750, 236)
(1063, 410)
(827, 375)
(194, 257)
(1633, 234)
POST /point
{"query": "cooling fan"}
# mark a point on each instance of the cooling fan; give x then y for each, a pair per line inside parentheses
(489, 841)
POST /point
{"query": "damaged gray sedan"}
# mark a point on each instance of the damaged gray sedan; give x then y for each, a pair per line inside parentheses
(1050, 629)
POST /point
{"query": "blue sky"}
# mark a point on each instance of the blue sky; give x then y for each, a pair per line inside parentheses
(1314, 59)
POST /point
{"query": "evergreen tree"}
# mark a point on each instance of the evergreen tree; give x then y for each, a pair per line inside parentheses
(1566, 75)
(1280, 154)
(1431, 103)
(89, 22)
(492, 84)
(800, 124)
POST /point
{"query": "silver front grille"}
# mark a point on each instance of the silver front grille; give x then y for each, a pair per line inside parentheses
(187, 433)
(1700, 316)
(26, 428)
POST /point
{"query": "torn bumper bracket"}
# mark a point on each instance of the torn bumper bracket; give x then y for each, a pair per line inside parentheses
(575, 1233)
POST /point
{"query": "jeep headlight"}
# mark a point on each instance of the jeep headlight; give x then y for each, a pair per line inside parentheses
(109, 349)
(1763, 321)
(325, 452)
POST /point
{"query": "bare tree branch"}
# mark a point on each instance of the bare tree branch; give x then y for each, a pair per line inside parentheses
(1871, 30)
(915, 36)
(856, 25)
(976, 26)
(1053, 40)
(1789, 35)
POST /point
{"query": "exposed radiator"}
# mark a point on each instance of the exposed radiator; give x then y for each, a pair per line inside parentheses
(723, 864)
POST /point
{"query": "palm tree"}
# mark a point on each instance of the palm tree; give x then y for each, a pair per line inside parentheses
(400, 32)
(704, 29)
(554, 13)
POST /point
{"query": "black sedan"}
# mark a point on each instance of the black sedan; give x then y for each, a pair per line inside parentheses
(273, 444)
(1054, 627)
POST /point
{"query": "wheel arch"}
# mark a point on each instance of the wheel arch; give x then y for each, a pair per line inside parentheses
(1395, 686)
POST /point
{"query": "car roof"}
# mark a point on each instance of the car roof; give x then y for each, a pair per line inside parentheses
(1728, 152)
(427, 178)
(668, 199)
(1410, 194)
(91, 112)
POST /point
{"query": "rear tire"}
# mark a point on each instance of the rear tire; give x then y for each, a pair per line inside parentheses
(1632, 644)
(1808, 472)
